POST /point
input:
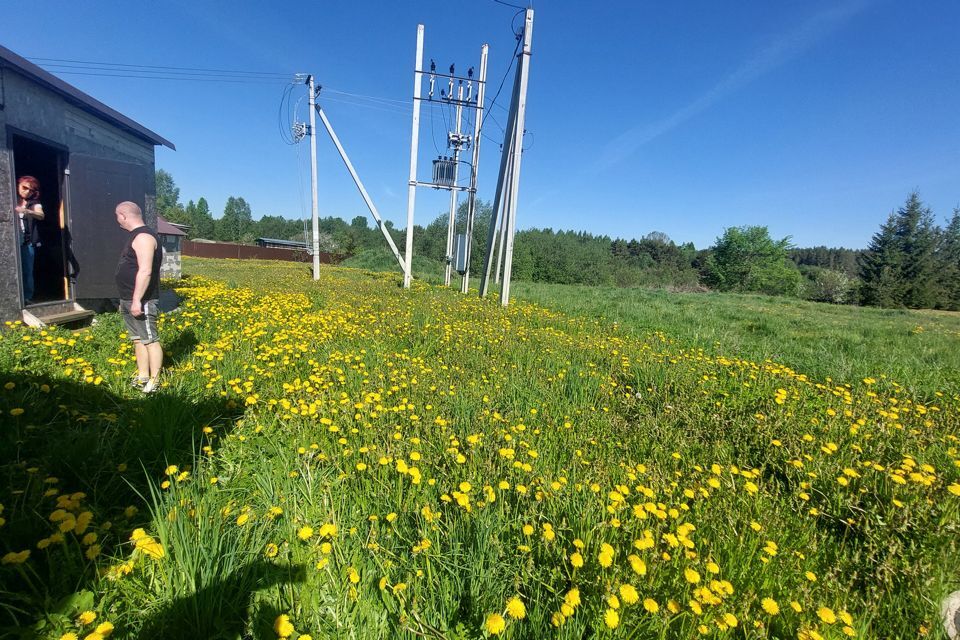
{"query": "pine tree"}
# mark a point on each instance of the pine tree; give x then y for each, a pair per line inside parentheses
(948, 264)
(881, 267)
(917, 236)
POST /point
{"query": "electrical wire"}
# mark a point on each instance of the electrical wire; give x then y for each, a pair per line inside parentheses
(532, 140)
(284, 125)
(433, 133)
(483, 121)
(405, 103)
(180, 78)
(163, 68)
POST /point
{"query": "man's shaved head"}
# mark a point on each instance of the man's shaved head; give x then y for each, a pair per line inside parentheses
(130, 209)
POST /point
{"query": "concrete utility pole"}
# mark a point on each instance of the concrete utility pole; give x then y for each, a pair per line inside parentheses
(313, 178)
(472, 197)
(456, 140)
(412, 185)
(508, 183)
(446, 169)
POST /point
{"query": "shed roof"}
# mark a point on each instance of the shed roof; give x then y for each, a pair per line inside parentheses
(285, 243)
(167, 228)
(9, 59)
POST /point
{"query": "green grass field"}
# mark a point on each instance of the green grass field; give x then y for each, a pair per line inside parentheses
(349, 459)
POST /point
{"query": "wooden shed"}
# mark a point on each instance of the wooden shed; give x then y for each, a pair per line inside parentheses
(87, 158)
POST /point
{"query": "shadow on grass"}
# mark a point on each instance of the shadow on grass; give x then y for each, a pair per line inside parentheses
(82, 448)
(223, 609)
(182, 347)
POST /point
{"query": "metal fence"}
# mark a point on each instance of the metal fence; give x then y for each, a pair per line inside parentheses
(251, 252)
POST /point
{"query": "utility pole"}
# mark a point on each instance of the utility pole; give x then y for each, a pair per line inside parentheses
(503, 228)
(523, 73)
(446, 169)
(508, 182)
(472, 197)
(412, 184)
(457, 143)
(313, 178)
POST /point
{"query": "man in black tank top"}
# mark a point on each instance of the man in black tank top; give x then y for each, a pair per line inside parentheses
(138, 281)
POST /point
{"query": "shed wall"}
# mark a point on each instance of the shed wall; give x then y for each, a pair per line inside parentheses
(30, 108)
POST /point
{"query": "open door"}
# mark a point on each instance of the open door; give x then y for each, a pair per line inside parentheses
(95, 188)
(45, 162)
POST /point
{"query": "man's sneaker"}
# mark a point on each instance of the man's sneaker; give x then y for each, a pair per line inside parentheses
(151, 385)
(138, 383)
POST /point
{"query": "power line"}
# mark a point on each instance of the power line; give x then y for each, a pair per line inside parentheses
(148, 66)
(182, 78)
(502, 80)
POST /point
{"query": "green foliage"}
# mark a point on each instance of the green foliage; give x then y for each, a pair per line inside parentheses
(381, 259)
(900, 267)
(202, 224)
(828, 285)
(835, 259)
(748, 259)
(948, 263)
(168, 198)
(236, 224)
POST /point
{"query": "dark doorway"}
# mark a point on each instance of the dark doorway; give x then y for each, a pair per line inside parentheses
(45, 163)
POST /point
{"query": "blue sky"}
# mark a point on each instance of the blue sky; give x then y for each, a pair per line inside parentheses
(813, 118)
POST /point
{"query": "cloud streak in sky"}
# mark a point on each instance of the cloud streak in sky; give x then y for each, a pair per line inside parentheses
(783, 49)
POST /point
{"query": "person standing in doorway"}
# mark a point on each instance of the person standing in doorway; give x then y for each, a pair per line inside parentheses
(29, 212)
(138, 281)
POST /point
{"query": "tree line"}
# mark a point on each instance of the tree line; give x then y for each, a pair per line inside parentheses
(910, 262)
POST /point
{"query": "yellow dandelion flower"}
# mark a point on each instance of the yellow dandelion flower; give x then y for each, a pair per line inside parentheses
(629, 594)
(16, 557)
(516, 608)
(638, 565)
(283, 627)
(770, 606)
(611, 618)
(495, 624)
(605, 557)
(651, 605)
(827, 615)
(86, 617)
